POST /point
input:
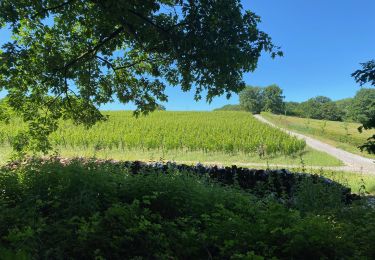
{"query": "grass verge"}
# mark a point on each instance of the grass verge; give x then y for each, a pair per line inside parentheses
(359, 183)
(342, 135)
(309, 157)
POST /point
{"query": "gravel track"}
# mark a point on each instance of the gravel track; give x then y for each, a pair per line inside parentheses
(353, 162)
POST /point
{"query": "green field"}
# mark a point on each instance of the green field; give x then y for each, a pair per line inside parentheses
(223, 137)
(342, 135)
(360, 183)
(229, 132)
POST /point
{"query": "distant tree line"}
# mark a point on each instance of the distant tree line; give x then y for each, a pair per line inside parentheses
(230, 108)
(319, 107)
(360, 108)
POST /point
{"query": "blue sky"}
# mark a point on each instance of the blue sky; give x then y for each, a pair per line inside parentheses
(323, 43)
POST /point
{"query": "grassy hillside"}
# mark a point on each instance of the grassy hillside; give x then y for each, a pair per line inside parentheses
(225, 137)
(342, 135)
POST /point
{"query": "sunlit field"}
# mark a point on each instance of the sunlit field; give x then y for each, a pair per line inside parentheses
(225, 137)
(342, 135)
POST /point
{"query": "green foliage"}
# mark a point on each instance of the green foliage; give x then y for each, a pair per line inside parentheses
(160, 108)
(345, 105)
(317, 198)
(230, 108)
(363, 76)
(273, 99)
(66, 58)
(363, 106)
(4, 111)
(251, 99)
(228, 132)
(76, 211)
(321, 107)
(293, 109)
(256, 99)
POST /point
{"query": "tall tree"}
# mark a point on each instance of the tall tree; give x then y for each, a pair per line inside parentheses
(273, 99)
(251, 99)
(366, 75)
(67, 57)
(362, 108)
(344, 106)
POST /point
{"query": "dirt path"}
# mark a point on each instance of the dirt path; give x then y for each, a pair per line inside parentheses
(353, 162)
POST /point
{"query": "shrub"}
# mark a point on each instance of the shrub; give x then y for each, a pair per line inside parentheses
(76, 210)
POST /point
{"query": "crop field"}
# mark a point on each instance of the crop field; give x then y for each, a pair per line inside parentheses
(229, 132)
(344, 135)
(227, 137)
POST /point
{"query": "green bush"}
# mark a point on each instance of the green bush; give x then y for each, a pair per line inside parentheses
(51, 210)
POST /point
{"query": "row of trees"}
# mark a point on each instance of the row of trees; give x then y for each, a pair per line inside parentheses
(271, 99)
(360, 108)
(319, 107)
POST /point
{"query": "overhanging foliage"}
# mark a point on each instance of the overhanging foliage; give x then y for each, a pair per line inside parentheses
(66, 58)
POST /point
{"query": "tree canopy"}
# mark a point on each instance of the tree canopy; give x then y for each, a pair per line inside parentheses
(251, 99)
(321, 107)
(68, 57)
(345, 106)
(363, 106)
(273, 99)
(257, 99)
(365, 100)
(293, 109)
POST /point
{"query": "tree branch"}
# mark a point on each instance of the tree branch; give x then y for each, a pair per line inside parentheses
(148, 21)
(113, 35)
(45, 10)
(110, 64)
(134, 63)
(58, 6)
(125, 66)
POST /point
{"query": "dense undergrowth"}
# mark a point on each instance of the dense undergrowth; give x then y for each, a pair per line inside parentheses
(86, 210)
